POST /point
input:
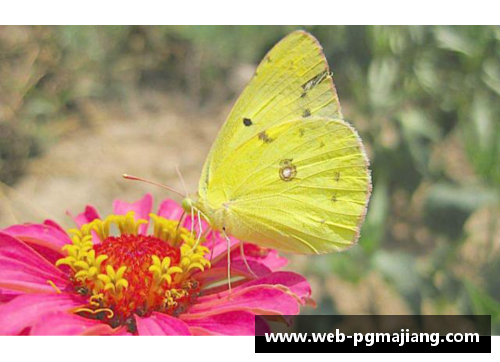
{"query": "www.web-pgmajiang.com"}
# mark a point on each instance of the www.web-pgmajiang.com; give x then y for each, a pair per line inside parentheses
(369, 339)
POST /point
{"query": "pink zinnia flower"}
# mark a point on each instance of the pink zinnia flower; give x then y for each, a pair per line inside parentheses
(96, 280)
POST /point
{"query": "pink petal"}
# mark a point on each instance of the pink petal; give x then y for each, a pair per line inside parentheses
(230, 323)
(53, 224)
(87, 216)
(6, 295)
(268, 257)
(142, 209)
(256, 267)
(69, 324)
(297, 284)
(47, 239)
(159, 324)
(169, 209)
(220, 247)
(51, 255)
(258, 299)
(265, 256)
(204, 226)
(45, 234)
(238, 268)
(26, 310)
(121, 331)
(23, 269)
(294, 283)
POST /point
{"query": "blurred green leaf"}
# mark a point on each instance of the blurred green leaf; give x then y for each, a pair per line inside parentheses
(491, 75)
(455, 38)
(466, 198)
(482, 137)
(373, 229)
(483, 304)
(352, 265)
(382, 76)
(400, 270)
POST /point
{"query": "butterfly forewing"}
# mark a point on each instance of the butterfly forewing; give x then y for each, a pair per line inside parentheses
(293, 80)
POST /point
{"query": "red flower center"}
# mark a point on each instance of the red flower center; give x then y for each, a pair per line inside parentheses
(133, 273)
(135, 252)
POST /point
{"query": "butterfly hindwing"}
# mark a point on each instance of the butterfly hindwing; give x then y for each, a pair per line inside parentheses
(302, 187)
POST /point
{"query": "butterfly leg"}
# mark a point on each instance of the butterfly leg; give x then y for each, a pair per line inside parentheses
(228, 260)
(213, 246)
(200, 231)
(192, 222)
(242, 252)
(180, 222)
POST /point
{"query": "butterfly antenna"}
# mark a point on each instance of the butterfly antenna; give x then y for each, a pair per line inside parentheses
(135, 178)
(182, 179)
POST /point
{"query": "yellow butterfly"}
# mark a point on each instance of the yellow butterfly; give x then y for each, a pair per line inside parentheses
(286, 171)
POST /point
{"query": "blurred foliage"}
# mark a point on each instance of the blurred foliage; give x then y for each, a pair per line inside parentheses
(425, 100)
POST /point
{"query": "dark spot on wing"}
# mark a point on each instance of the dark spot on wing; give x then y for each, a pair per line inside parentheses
(288, 170)
(307, 113)
(302, 131)
(265, 138)
(207, 177)
(337, 176)
(247, 122)
(334, 198)
(322, 144)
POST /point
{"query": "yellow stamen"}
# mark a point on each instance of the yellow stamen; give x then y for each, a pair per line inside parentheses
(172, 295)
(96, 299)
(114, 281)
(162, 270)
(106, 310)
(52, 284)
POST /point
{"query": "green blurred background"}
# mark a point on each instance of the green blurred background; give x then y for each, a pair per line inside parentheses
(79, 106)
